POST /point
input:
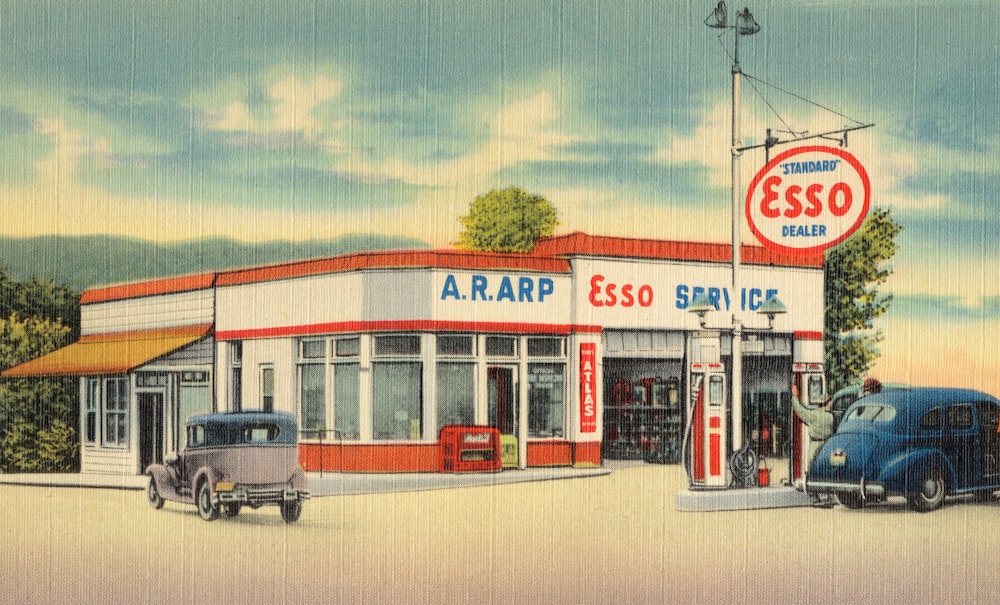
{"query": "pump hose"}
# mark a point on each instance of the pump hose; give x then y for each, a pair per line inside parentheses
(743, 465)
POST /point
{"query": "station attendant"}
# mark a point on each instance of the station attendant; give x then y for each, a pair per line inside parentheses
(819, 420)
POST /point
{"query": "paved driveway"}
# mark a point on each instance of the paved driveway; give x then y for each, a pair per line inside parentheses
(613, 538)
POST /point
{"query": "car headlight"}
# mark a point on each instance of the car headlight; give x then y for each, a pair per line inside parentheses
(225, 486)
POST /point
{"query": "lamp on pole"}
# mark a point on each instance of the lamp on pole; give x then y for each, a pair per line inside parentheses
(745, 25)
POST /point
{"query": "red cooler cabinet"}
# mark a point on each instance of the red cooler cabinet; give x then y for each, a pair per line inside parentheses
(470, 449)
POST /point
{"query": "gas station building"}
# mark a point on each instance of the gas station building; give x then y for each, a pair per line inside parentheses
(584, 350)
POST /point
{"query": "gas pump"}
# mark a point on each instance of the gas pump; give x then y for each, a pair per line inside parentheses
(707, 439)
(808, 375)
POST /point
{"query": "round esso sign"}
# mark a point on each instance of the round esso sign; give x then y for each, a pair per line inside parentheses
(808, 199)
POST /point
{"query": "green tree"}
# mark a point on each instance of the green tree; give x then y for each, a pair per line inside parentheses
(510, 220)
(854, 271)
(38, 416)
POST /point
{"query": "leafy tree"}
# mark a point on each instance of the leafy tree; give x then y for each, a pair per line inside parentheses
(854, 270)
(510, 220)
(37, 415)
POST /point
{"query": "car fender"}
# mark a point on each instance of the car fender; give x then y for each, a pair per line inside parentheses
(903, 472)
(165, 483)
(207, 473)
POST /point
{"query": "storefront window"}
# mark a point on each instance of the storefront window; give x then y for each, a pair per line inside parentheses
(312, 398)
(116, 412)
(267, 387)
(546, 399)
(236, 375)
(90, 411)
(397, 403)
(314, 389)
(346, 389)
(455, 394)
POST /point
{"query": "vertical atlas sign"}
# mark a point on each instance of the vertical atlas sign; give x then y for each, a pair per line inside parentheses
(808, 199)
(588, 387)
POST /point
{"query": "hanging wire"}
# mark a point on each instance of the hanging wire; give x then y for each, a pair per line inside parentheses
(792, 94)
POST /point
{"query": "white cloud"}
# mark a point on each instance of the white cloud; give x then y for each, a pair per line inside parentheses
(519, 132)
(292, 108)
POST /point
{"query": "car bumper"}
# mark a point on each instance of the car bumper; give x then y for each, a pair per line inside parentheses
(864, 488)
(260, 496)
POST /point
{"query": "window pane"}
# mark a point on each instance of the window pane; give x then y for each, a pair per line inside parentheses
(455, 394)
(312, 395)
(501, 346)
(313, 349)
(348, 347)
(545, 347)
(407, 344)
(397, 400)
(546, 401)
(452, 344)
(346, 406)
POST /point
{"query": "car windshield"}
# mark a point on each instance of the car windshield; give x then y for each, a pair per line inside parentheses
(873, 412)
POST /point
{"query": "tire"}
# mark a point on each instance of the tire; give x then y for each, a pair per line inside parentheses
(290, 510)
(207, 510)
(931, 492)
(851, 500)
(153, 494)
(232, 509)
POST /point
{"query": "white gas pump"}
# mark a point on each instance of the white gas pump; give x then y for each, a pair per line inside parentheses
(707, 435)
(808, 374)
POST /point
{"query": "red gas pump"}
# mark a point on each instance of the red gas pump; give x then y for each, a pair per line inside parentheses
(808, 375)
(709, 450)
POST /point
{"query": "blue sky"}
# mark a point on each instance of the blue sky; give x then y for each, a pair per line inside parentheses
(267, 120)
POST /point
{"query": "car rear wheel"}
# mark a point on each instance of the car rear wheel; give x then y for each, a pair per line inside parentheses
(207, 510)
(153, 494)
(930, 493)
(851, 500)
(290, 510)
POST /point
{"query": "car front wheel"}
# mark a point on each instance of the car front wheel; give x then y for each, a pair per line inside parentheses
(207, 510)
(153, 494)
(290, 510)
(930, 493)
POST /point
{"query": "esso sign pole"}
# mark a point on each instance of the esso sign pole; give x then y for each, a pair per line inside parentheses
(808, 199)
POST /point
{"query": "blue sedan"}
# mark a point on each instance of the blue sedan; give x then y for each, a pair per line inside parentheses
(922, 443)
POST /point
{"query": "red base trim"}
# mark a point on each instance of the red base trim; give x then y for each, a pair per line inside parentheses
(426, 457)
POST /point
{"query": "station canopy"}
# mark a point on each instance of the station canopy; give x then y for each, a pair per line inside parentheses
(113, 353)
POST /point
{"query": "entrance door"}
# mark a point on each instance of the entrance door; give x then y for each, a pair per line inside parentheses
(150, 429)
(502, 403)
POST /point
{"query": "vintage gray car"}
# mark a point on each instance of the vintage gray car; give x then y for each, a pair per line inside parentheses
(232, 459)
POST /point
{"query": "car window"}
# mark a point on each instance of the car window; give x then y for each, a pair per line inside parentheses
(195, 434)
(260, 433)
(874, 412)
(931, 419)
(960, 416)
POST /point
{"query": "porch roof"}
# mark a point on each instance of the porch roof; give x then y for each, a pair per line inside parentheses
(112, 353)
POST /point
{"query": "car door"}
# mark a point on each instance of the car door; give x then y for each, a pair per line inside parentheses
(960, 443)
(989, 452)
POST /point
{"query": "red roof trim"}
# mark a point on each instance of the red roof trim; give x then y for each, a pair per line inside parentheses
(407, 259)
(548, 256)
(579, 243)
(407, 326)
(168, 285)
